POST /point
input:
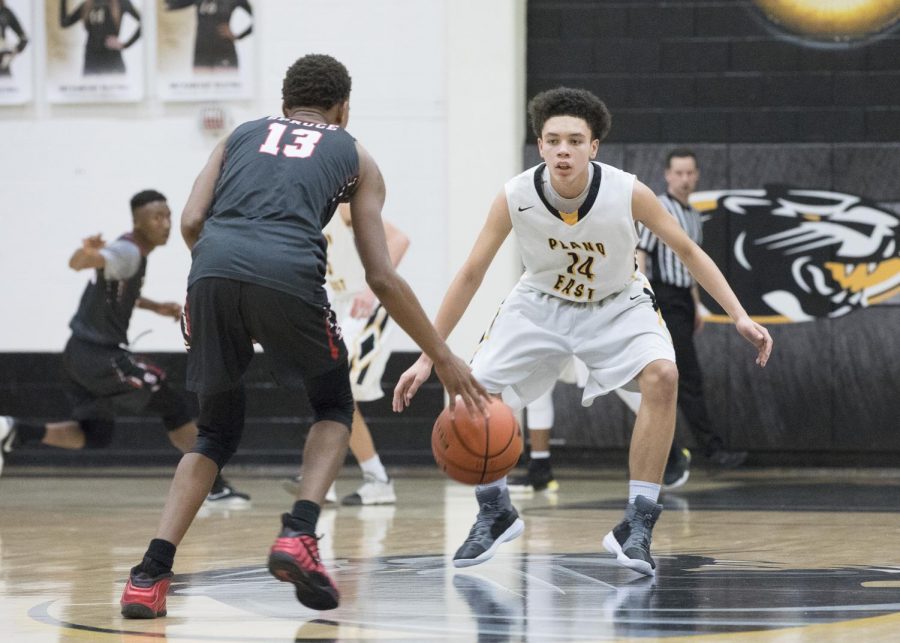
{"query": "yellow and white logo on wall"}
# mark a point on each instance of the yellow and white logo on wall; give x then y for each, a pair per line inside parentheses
(799, 254)
(832, 20)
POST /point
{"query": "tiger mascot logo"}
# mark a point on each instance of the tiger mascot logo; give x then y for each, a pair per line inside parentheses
(794, 254)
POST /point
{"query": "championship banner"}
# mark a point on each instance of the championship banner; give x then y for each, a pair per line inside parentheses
(794, 255)
(95, 51)
(205, 49)
(16, 30)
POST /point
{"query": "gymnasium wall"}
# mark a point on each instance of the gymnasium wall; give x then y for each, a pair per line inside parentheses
(796, 115)
(67, 171)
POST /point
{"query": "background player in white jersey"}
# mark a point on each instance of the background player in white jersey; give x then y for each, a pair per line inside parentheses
(366, 328)
(581, 294)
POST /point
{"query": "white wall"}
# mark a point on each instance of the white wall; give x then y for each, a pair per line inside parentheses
(424, 73)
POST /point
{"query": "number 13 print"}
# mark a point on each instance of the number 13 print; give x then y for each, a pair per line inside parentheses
(303, 146)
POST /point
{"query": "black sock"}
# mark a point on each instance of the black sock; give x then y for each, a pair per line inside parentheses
(27, 432)
(304, 516)
(539, 464)
(159, 557)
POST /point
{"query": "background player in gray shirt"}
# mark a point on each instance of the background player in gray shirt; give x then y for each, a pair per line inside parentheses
(103, 377)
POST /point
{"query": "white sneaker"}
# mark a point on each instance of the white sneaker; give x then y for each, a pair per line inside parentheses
(292, 486)
(7, 436)
(372, 492)
(224, 495)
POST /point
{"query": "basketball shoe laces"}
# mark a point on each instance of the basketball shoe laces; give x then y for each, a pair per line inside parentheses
(485, 520)
(310, 543)
(641, 530)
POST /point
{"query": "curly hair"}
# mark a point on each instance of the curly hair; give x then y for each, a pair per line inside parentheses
(315, 80)
(565, 101)
(144, 197)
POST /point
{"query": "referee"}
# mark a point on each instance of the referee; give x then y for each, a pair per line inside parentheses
(678, 298)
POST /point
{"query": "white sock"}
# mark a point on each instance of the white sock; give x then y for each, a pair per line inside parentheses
(501, 484)
(540, 455)
(373, 467)
(640, 488)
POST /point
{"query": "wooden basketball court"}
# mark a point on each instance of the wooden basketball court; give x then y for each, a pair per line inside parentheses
(784, 556)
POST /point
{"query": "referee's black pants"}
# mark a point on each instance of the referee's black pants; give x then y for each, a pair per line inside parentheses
(678, 309)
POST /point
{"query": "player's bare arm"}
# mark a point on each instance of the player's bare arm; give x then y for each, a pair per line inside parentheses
(200, 200)
(647, 209)
(88, 255)
(462, 289)
(164, 308)
(396, 295)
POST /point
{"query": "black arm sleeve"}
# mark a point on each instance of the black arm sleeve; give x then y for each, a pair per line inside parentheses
(245, 5)
(127, 7)
(17, 28)
(71, 18)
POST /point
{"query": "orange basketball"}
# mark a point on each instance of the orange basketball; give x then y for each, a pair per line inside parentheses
(477, 450)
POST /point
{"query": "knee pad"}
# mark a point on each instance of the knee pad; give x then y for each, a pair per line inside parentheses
(331, 397)
(98, 433)
(220, 425)
(171, 406)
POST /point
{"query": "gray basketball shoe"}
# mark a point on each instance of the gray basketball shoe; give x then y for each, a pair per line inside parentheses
(497, 522)
(630, 539)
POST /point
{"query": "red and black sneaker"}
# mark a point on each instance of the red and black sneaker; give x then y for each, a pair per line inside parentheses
(294, 558)
(145, 595)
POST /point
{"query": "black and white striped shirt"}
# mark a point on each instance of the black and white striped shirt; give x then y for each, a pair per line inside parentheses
(662, 264)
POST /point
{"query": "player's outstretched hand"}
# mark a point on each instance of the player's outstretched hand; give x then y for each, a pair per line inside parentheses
(363, 305)
(456, 376)
(758, 336)
(410, 381)
(93, 242)
(169, 309)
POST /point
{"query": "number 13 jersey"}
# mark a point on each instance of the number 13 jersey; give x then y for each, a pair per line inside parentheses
(280, 183)
(581, 256)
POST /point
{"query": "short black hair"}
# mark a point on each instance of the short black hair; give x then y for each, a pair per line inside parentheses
(144, 197)
(315, 80)
(566, 101)
(680, 153)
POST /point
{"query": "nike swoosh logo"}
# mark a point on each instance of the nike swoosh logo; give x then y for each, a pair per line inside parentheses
(635, 297)
(521, 209)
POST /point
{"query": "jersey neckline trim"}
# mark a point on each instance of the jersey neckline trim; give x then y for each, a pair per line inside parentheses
(585, 207)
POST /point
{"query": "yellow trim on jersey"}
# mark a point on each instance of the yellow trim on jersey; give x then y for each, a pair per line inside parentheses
(569, 218)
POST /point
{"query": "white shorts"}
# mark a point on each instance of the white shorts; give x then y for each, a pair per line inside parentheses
(368, 348)
(534, 336)
(540, 410)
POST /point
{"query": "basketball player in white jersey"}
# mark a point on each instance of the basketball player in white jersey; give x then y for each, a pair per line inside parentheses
(581, 294)
(366, 328)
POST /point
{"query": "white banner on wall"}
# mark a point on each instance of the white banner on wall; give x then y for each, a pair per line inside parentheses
(95, 51)
(15, 53)
(204, 49)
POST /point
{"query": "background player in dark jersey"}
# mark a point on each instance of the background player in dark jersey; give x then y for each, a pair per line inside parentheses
(102, 19)
(214, 42)
(8, 20)
(103, 377)
(254, 223)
